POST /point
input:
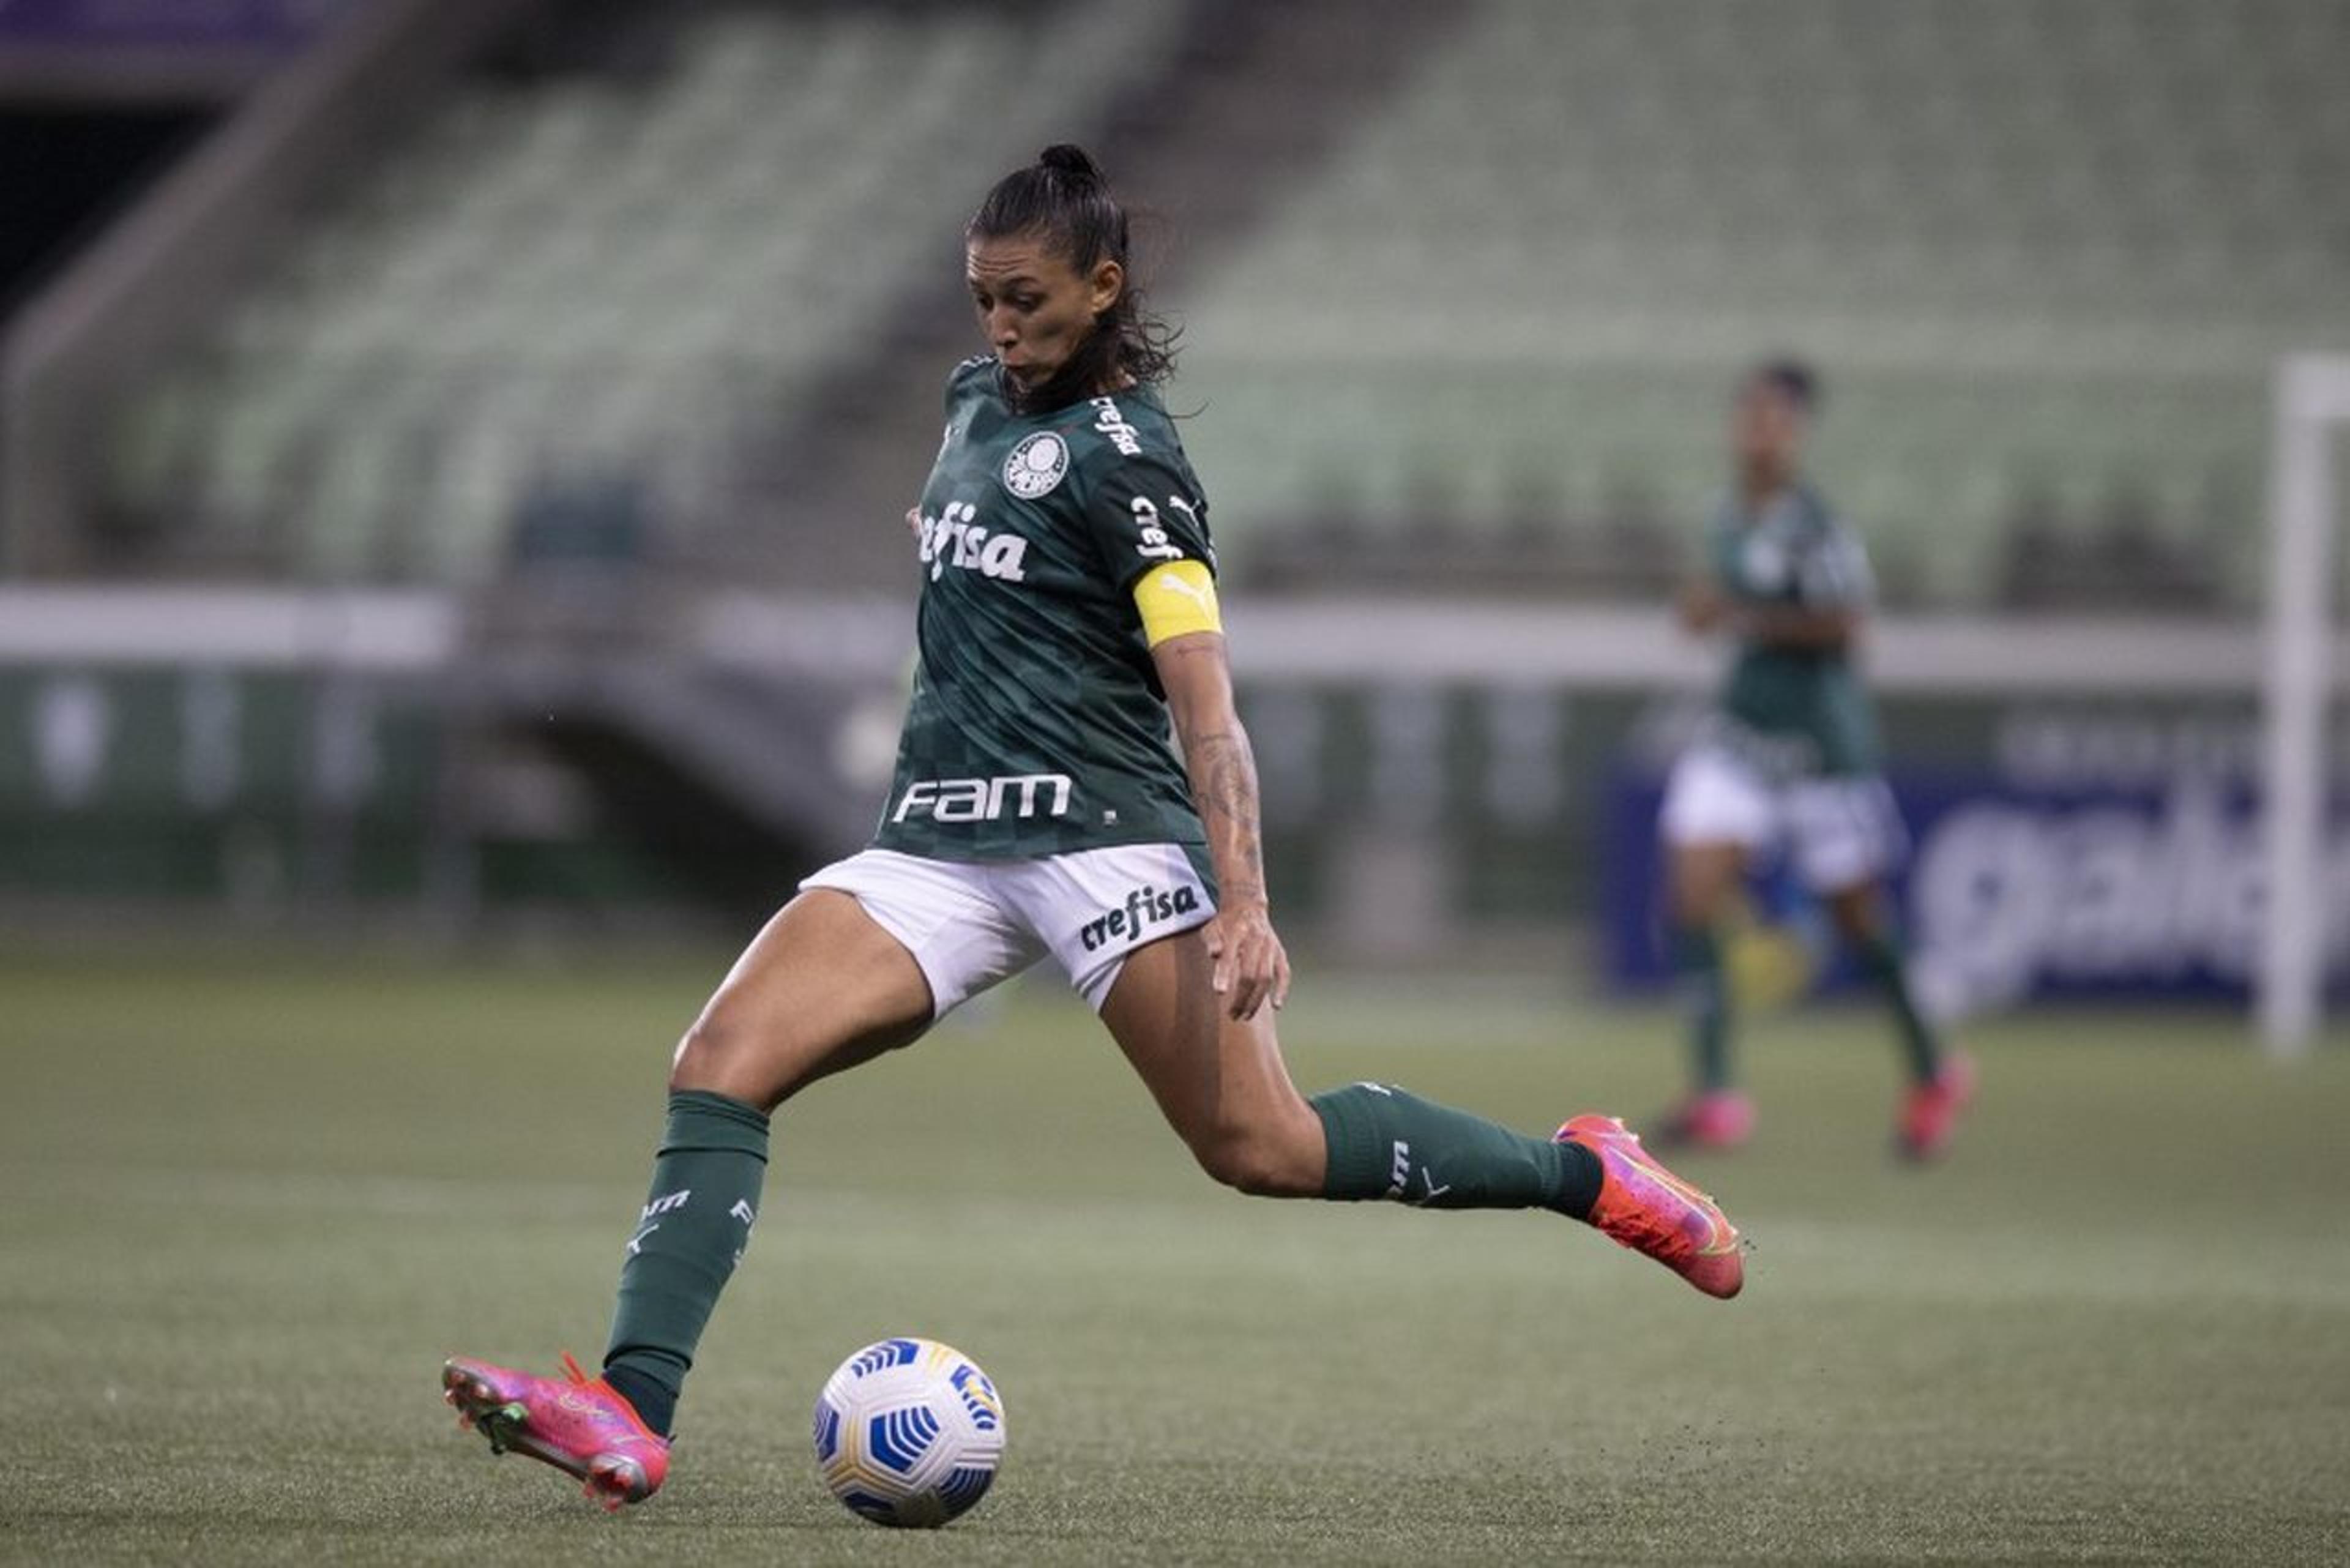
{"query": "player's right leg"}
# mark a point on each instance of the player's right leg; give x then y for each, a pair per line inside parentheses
(1703, 881)
(1716, 813)
(822, 988)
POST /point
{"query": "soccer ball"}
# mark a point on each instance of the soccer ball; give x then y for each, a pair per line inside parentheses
(908, 1432)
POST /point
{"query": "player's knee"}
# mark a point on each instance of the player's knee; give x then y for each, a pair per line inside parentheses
(720, 1056)
(1698, 907)
(699, 1055)
(1857, 918)
(1262, 1159)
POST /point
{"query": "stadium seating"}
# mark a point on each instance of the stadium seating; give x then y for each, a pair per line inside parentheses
(559, 279)
(2045, 254)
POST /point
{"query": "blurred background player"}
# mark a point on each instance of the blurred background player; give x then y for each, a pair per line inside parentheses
(1068, 614)
(1787, 762)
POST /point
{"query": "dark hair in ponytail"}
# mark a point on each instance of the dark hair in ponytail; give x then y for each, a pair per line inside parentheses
(1792, 378)
(1065, 197)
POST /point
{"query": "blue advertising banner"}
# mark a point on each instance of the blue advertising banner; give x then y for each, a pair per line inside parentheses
(2015, 892)
(167, 24)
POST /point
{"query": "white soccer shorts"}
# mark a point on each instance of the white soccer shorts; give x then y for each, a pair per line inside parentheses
(973, 924)
(1842, 832)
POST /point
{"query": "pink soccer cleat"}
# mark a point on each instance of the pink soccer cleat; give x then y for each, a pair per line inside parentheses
(581, 1426)
(1712, 1118)
(1931, 1109)
(1647, 1207)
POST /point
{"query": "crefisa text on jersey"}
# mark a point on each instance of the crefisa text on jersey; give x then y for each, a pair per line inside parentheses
(984, 800)
(953, 539)
(1144, 906)
(1153, 541)
(1111, 423)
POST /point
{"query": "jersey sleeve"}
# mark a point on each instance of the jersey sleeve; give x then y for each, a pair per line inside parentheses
(1146, 510)
(1834, 572)
(958, 380)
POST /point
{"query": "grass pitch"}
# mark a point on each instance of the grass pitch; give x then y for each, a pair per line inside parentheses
(250, 1203)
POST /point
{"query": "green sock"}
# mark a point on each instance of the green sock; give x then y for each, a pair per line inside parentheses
(1705, 992)
(696, 1222)
(1385, 1143)
(1883, 958)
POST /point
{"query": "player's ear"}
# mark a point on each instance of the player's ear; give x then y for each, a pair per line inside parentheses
(1104, 285)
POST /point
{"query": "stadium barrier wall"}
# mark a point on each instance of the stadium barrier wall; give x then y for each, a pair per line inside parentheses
(1433, 775)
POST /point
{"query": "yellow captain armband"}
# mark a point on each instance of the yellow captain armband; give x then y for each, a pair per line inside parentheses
(1175, 599)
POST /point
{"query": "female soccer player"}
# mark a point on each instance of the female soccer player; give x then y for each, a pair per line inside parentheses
(1789, 755)
(1068, 613)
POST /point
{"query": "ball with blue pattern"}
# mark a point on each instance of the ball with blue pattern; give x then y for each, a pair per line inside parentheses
(908, 1432)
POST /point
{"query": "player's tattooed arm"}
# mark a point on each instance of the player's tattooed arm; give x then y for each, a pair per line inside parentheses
(1224, 784)
(1216, 754)
(1251, 968)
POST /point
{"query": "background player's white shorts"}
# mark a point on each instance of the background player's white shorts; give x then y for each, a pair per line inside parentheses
(1841, 831)
(971, 924)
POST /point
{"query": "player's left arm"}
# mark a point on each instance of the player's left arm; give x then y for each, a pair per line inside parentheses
(1798, 625)
(1150, 521)
(1187, 644)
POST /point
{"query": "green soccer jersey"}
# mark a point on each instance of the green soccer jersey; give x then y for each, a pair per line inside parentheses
(1801, 710)
(1037, 725)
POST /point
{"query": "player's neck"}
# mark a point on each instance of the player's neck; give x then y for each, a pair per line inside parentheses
(1094, 371)
(1760, 486)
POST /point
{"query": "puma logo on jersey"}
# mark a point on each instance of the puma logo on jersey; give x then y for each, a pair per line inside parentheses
(953, 539)
(1175, 583)
(984, 800)
(1144, 907)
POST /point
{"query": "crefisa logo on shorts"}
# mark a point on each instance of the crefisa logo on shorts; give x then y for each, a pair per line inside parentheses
(1037, 465)
(1144, 907)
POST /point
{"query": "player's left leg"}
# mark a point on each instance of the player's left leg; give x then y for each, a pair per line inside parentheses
(1865, 925)
(1941, 1078)
(1848, 839)
(1223, 1086)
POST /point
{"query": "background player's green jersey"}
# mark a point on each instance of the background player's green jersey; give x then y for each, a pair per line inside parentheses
(1037, 725)
(1805, 707)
